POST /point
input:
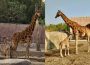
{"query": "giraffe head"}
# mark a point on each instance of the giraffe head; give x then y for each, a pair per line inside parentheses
(38, 13)
(58, 14)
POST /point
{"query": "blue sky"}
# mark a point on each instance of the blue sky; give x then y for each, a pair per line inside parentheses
(71, 8)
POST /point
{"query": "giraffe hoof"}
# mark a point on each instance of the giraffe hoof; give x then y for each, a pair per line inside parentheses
(61, 56)
(65, 55)
(76, 53)
(68, 54)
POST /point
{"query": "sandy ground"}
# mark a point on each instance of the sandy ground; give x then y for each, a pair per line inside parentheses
(83, 58)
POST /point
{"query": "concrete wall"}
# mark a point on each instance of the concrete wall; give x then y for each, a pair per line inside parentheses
(7, 30)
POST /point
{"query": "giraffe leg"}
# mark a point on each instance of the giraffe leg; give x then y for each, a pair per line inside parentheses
(76, 42)
(11, 53)
(88, 44)
(61, 52)
(7, 53)
(68, 50)
(27, 52)
(16, 54)
(65, 51)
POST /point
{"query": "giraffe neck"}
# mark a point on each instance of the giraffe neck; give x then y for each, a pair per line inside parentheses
(75, 26)
(70, 23)
(33, 22)
(64, 17)
(31, 27)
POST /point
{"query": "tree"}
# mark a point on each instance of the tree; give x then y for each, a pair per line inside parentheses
(19, 11)
(58, 27)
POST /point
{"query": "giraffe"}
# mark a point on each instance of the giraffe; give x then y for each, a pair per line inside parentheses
(25, 35)
(88, 25)
(78, 30)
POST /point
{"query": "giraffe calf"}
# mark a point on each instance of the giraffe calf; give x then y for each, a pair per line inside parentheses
(64, 45)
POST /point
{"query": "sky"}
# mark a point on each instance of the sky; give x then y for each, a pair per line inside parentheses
(71, 8)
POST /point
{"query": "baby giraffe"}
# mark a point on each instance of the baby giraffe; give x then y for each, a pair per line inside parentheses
(64, 45)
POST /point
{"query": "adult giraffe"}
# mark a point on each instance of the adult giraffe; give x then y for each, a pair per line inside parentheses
(77, 29)
(25, 35)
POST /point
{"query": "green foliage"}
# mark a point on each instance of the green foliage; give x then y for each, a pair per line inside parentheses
(42, 21)
(58, 27)
(19, 11)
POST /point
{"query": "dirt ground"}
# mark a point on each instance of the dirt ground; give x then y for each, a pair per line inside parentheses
(83, 58)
